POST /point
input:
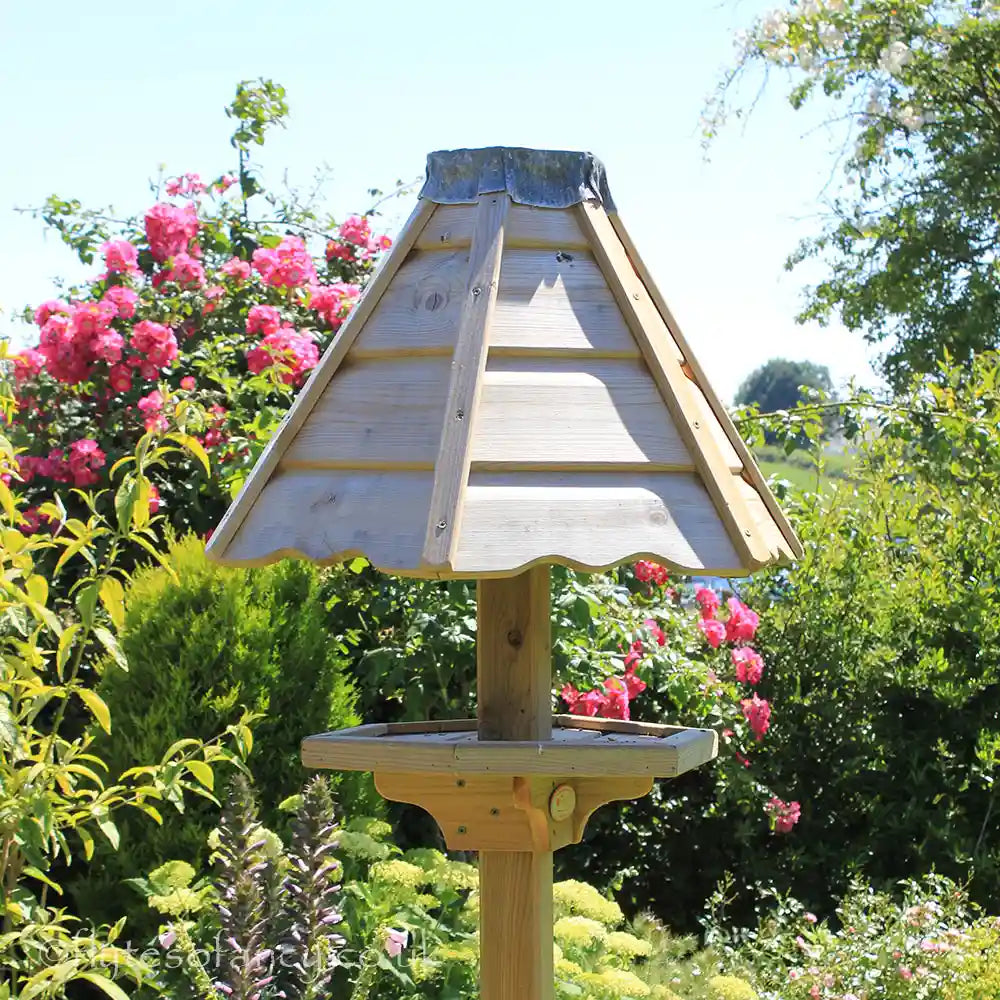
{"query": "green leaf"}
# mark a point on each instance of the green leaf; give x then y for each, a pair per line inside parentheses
(107, 826)
(33, 872)
(87, 840)
(193, 445)
(109, 986)
(65, 647)
(357, 564)
(86, 602)
(7, 502)
(202, 772)
(95, 703)
(125, 500)
(113, 599)
(110, 643)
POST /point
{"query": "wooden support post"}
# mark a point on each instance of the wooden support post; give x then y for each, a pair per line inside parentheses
(514, 670)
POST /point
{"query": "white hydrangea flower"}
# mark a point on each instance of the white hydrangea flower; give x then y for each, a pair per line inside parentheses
(775, 24)
(831, 37)
(894, 57)
(909, 117)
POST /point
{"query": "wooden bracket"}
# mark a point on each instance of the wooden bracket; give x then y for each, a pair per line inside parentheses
(500, 812)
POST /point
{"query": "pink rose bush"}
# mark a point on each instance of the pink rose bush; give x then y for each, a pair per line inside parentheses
(200, 310)
(683, 656)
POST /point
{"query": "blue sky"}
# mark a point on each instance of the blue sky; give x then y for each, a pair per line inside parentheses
(94, 97)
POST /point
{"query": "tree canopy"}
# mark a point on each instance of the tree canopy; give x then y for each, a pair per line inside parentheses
(776, 384)
(910, 241)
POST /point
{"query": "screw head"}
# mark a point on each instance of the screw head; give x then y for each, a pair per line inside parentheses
(460, 782)
(442, 524)
(477, 291)
(462, 829)
(494, 811)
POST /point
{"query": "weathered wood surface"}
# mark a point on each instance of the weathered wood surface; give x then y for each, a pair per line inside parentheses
(514, 685)
(267, 464)
(656, 751)
(554, 417)
(451, 471)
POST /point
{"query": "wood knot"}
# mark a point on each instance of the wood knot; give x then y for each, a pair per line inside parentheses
(515, 638)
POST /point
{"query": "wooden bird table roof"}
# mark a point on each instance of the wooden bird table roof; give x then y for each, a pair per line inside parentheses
(510, 390)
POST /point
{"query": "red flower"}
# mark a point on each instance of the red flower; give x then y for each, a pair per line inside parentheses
(713, 631)
(646, 572)
(708, 601)
(661, 639)
(742, 624)
(757, 711)
(783, 815)
(749, 665)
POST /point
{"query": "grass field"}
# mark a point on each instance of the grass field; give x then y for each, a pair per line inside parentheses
(799, 470)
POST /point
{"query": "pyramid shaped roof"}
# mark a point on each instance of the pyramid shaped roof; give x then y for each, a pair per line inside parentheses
(511, 389)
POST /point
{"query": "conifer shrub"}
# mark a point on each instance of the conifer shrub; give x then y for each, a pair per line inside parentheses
(202, 648)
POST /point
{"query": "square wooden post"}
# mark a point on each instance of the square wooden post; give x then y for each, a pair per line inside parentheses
(514, 670)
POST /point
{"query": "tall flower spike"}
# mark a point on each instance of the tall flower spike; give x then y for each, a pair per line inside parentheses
(245, 885)
(310, 944)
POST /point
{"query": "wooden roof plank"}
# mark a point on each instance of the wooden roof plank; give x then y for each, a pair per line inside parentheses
(267, 464)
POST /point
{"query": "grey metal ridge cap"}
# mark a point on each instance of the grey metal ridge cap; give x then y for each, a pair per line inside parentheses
(547, 178)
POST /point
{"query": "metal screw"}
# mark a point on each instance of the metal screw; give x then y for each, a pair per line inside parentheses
(635, 295)
(461, 829)
(442, 524)
(494, 811)
(746, 531)
(695, 424)
(477, 291)
(460, 782)
(460, 415)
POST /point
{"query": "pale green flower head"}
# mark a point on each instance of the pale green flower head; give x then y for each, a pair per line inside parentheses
(730, 988)
(398, 873)
(622, 943)
(578, 898)
(618, 984)
(170, 876)
(178, 903)
(378, 829)
(579, 932)
(362, 847)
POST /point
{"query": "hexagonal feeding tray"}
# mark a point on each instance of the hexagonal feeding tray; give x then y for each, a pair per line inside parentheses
(513, 795)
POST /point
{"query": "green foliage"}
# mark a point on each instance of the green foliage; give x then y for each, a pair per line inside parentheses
(205, 644)
(409, 926)
(922, 940)
(59, 796)
(169, 322)
(883, 644)
(909, 239)
(777, 384)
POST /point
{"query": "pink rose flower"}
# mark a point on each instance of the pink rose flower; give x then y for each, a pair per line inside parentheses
(749, 665)
(708, 601)
(757, 712)
(238, 270)
(713, 631)
(120, 257)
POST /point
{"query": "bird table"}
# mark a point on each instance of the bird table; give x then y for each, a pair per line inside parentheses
(511, 391)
